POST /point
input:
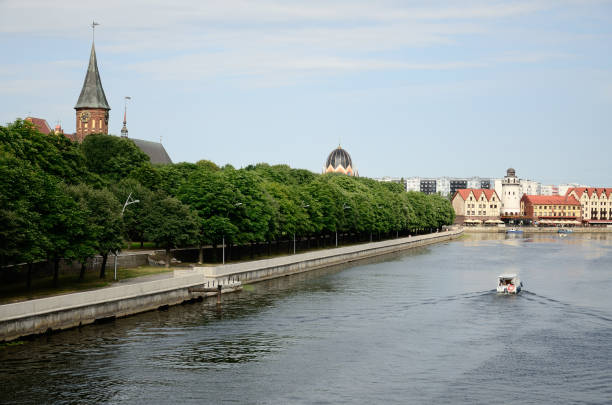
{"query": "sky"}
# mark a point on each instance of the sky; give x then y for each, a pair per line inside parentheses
(408, 88)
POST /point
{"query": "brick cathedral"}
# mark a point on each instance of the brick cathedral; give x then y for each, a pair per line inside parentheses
(92, 114)
(92, 109)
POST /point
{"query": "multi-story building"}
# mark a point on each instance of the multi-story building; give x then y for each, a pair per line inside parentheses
(473, 206)
(563, 188)
(595, 204)
(443, 185)
(551, 210)
(530, 187)
(428, 186)
(549, 189)
(413, 184)
(457, 184)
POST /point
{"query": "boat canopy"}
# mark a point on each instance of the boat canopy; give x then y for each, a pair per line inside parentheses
(507, 276)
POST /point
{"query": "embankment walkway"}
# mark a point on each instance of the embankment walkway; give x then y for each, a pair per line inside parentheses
(122, 299)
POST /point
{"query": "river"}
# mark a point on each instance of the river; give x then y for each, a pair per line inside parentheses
(423, 326)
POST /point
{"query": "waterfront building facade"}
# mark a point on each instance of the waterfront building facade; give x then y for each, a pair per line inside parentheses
(551, 210)
(446, 186)
(476, 206)
(595, 204)
(511, 195)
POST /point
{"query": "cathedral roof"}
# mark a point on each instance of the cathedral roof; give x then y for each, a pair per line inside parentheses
(339, 157)
(41, 124)
(339, 161)
(92, 94)
(156, 151)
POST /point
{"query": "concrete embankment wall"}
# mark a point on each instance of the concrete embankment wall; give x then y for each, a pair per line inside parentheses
(282, 266)
(71, 310)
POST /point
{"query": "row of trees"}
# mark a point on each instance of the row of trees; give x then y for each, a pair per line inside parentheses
(59, 199)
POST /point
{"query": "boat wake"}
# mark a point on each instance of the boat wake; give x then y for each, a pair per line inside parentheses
(570, 308)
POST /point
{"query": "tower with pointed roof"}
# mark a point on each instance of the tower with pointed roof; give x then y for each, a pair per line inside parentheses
(91, 108)
(124, 130)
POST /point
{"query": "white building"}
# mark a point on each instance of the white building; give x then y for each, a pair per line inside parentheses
(564, 187)
(530, 187)
(413, 184)
(443, 185)
(511, 194)
(550, 189)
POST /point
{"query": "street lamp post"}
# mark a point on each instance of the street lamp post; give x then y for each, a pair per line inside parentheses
(128, 201)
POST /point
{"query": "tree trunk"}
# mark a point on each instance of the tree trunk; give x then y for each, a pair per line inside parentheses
(214, 252)
(82, 273)
(141, 244)
(201, 254)
(168, 258)
(269, 248)
(29, 278)
(56, 271)
(103, 268)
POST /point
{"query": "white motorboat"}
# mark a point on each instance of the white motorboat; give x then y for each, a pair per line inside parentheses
(509, 284)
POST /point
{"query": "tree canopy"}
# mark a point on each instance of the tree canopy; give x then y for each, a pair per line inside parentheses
(59, 199)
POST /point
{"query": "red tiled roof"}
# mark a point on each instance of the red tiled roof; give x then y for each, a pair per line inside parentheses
(465, 193)
(590, 191)
(40, 124)
(551, 199)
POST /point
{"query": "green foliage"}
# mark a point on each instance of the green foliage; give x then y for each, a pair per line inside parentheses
(112, 158)
(104, 225)
(54, 200)
(133, 214)
(52, 154)
(170, 223)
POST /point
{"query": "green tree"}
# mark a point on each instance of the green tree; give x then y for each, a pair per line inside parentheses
(170, 224)
(133, 215)
(104, 226)
(111, 157)
(53, 154)
(215, 199)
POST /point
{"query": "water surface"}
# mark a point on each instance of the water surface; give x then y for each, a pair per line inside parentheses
(424, 326)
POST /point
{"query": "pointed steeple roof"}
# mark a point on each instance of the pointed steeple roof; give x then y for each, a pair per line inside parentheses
(92, 94)
(124, 130)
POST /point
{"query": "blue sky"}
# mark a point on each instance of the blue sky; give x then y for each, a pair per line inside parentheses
(409, 88)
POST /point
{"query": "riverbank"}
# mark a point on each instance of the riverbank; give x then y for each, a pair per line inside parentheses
(78, 309)
(531, 229)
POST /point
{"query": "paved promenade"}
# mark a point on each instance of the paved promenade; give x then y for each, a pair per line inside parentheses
(161, 290)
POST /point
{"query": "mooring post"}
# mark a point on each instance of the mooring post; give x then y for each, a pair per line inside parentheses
(219, 294)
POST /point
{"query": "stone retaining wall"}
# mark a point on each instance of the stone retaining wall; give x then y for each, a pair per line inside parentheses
(71, 310)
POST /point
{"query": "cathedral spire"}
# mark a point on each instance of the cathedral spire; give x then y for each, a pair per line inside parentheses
(92, 93)
(124, 130)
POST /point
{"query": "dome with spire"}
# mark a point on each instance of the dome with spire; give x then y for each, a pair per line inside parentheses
(339, 161)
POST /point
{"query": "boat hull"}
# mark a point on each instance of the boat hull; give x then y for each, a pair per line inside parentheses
(504, 290)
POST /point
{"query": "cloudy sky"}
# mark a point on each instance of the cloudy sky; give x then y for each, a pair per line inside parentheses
(409, 88)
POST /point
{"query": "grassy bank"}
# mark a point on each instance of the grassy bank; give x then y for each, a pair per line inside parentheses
(43, 287)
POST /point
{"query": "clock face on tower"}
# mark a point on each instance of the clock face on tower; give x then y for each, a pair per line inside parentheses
(84, 116)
